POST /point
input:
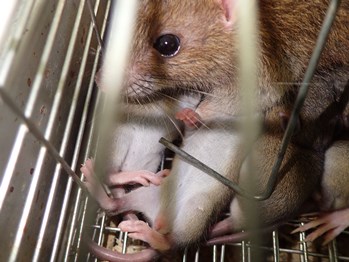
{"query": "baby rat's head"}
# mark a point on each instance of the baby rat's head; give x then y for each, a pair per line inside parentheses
(181, 46)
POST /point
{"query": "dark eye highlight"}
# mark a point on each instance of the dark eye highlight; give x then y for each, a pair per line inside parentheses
(167, 45)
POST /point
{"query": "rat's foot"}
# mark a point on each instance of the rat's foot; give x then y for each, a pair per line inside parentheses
(142, 231)
(96, 190)
(190, 118)
(330, 225)
(145, 178)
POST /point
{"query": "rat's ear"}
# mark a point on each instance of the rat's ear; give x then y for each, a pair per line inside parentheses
(229, 7)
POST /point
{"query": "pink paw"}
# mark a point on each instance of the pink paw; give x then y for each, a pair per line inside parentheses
(141, 230)
(190, 118)
(143, 177)
(329, 224)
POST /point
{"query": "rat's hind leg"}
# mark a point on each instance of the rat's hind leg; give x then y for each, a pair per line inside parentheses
(328, 225)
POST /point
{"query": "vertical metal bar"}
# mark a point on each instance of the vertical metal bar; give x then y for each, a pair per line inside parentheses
(80, 229)
(303, 246)
(124, 244)
(68, 126)
(116, 57)
(248, 81)
(222, 253)
(243, 251)
(197, 255)
(214, 259)
(332, 251)
(101, 230)
(185, 255)
(276, 248)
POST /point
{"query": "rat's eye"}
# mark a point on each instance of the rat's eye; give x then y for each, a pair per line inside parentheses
(167, 45)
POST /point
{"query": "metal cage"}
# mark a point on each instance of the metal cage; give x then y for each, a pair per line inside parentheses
(48, 103)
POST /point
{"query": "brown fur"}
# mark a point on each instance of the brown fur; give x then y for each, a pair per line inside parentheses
(207, 60)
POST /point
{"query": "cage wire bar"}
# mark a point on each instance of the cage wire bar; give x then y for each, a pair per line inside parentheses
(46, 22)
(47, 75)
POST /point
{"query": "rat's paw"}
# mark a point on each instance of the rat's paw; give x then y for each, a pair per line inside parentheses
(143, 177)
(142, 231)
(328, 225)
(190, 118)
(96, 190)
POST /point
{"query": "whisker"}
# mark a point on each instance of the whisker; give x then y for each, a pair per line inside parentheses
(169, 118)
(185, 87)
(136, 95)
(174, 101)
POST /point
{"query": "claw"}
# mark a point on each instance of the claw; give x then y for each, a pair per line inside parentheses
(143, 177)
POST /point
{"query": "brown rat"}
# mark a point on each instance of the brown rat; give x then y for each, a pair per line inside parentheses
(175, 53)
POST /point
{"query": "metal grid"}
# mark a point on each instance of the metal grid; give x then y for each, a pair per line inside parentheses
(47, 71)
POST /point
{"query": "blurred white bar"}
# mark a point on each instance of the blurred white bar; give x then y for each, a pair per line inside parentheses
(119, 42)
(7, 9)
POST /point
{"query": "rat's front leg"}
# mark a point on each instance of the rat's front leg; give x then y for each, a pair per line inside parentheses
(142, 177)
(110, 205)
(96, 190)
(142, 231)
